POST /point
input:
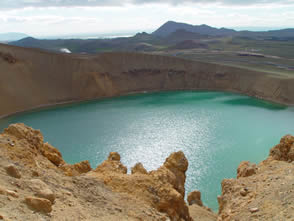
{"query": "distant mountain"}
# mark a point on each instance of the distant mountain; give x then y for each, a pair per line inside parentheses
(171, 26)
(12, 36)
(139, 42)
(283, 34)
(171, 35)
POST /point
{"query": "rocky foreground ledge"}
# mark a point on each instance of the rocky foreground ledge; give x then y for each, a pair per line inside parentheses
(37, 184)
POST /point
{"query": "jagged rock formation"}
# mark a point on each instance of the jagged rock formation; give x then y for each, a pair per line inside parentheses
(34, 177)
(262, 192)
(31, 181)
(162, 189)
(40, 78)
(284, 151)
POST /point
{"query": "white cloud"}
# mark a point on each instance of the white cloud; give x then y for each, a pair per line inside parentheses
(140, 17)
(11, 4)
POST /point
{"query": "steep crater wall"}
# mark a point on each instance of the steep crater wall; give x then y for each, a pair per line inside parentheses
(38, 78)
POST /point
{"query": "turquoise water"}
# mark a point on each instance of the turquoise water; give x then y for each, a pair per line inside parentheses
(216, 131)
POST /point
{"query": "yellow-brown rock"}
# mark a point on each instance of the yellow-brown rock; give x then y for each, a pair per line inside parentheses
(21, 131)
(76, 169)
(263, 192)
(39, 204)
(139, 168)
(112, 164)
(284, 150)
(79, 197)
(52, 154)
(4, 191)
(177, 163)
(246, 169)
(13, 171)
(162, 189)
(42, 190)
(114, 156)
(195, 198)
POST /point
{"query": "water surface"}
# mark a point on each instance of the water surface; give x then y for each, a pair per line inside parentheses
(216, 131)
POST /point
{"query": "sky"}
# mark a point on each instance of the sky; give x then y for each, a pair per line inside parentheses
(67, 17)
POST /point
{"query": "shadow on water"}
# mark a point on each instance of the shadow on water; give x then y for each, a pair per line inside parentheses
(248, 101)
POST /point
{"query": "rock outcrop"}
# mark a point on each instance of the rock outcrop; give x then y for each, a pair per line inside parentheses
(284, 150)
(34, 140)
(139, 168)
(246, 169)
(162, 189)
(40, 180)
(263, 191)
(39, 204)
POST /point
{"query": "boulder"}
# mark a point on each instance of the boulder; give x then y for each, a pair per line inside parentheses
(42, 190)
(12, 170)
(39, 204)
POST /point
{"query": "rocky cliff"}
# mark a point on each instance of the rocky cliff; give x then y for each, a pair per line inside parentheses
(32, 78)
(37, 184)
(264, 191)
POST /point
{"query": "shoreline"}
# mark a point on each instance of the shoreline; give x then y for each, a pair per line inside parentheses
(76, 102)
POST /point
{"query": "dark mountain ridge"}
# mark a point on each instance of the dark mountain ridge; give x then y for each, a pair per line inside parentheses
(171, 26)
(169, 35)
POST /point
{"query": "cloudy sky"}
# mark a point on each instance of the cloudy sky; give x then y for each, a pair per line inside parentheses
(61, 17)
